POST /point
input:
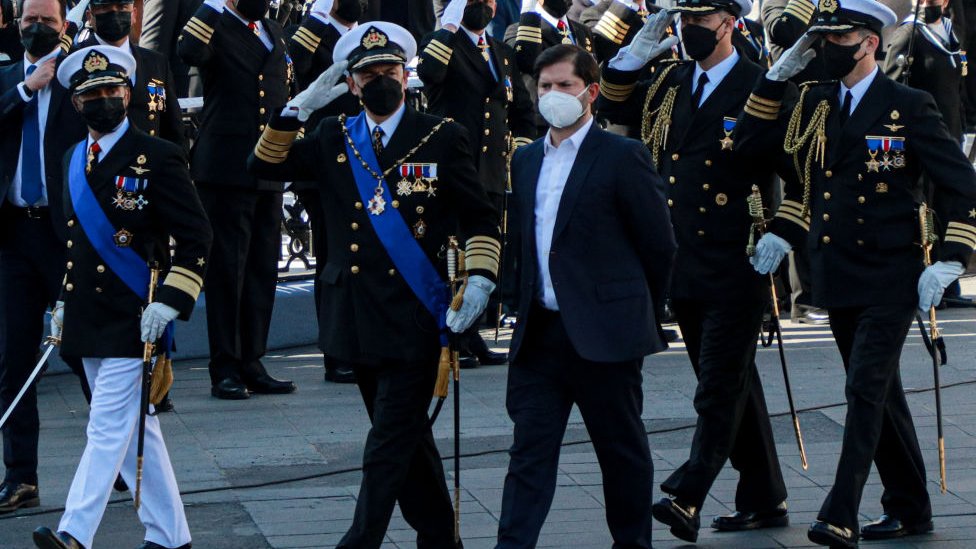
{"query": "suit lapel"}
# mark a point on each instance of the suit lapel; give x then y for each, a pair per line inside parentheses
(530, 169)
(726, 96)
(585, 158)
(473, 53)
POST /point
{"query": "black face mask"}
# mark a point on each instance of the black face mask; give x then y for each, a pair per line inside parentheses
(113, 26)
(557, 8)
(349, 10)
(699, 42)
(103, 114)
(838, 60)
(253, 10)
(382, 95)
(932, 14)
(477, 16)
(39, 39)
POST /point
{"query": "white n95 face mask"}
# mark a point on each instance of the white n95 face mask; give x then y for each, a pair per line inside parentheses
(561, 109)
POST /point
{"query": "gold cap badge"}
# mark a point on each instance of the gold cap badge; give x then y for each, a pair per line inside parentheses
(95, 62)
(374, 38)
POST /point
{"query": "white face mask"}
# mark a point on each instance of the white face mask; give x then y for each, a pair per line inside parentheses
(561, 109)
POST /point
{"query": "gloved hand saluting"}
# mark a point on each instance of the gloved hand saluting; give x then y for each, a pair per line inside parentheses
(57, 319)
(216, 4)
(934, 280)
(648, 43)
(453, 13)
(794, 59)
(322, 8)
(475, 300)
(770, 251)
(529, 6)
(154, 320)
(322, 92)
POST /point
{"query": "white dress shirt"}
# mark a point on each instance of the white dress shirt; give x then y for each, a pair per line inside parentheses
(557, 162)
(858, 91)
(261, 32)
(474, 39)
(715, 75)
(389, 125)
(43, 104)
(108, 140)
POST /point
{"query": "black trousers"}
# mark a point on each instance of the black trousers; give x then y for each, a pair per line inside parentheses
(733, 423)
(400, 460)
(879, 424)
(242, 277)
(32, 265)
(547, 378)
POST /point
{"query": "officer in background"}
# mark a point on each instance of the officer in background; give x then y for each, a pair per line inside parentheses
(474, 79)
(246, 73)
(689, 111)
(10, 47)
(162, 21)
(38, 125)
(615, 22)
(855, 209)
(128, 195)
(395, 184)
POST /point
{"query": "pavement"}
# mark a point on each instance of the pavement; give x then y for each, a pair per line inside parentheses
(283, 471)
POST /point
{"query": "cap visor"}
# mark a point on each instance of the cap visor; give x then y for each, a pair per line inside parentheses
(377, 59)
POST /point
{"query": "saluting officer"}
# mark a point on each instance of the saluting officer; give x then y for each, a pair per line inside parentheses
(689, 112)
(615, 23)
(155, 107)
(246, 72)
(126, 196)
(394, 184)
(854, 208)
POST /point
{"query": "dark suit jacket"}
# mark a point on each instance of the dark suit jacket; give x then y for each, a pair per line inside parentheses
(612, 247)
(64, 128)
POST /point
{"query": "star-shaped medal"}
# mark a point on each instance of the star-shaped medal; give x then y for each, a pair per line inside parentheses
(726, 143)
(873, 165)
(201, 262)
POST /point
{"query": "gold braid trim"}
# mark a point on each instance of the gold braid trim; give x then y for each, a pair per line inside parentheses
(396, 165)
(655, 124)
(795, 141)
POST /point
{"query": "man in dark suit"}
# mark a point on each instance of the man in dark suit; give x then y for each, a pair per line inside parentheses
(474, 79)
(717, 298)
(39, 124)
(568, 347)
(162, 21)
(855, 209)
(246, 73)
(394, 184)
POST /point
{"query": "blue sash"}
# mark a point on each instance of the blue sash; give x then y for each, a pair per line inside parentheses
(124, 262)
(392, 230)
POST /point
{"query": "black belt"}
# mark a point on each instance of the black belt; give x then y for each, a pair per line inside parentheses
(30, 212)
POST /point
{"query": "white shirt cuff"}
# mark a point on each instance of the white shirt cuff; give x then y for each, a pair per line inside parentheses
(22, 89)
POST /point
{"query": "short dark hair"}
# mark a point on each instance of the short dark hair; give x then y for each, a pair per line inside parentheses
(63, 4)
(584, 64)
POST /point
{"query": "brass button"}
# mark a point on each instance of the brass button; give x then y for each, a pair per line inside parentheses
(152, 116)
(391, 272)
(420, 209)
(70, 243)
(826, 217)
(358, 205)
(701, 233)
(261, 127)
(701, 209)
(487, 115)
(826, 196)
(152, 133)
(261, 110)
(396, 203)
(829, 173)
(675, 156)
(355, 269)
(860, 221)
(860, 200)
(486, 100)
(354, 247)
(708, 163)
(706, 186)
(484, 149)
(355, 226)
(98, 290)
(100, 268)
(670, 203)
(860, 242)
(261, 93)
(260, 77)
(487, 131)
(71, 265)
(71, 222)
(826, 240)
(69, 286)
(672, 180)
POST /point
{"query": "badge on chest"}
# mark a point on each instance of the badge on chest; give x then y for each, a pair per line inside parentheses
(891, 150)
(128, 196)
(157, 95)
(417, 178)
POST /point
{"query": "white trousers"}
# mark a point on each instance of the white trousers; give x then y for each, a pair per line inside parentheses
(113, 429)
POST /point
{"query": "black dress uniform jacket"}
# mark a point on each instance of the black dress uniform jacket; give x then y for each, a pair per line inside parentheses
(242, 82)
(155, 106)
(64, 127)
(460, 85)
(707, 184)
(371, 312)
(862, 228)
(102, 315)
(531, 35)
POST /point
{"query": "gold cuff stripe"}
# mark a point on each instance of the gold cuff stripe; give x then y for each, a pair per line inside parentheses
(187, 273)
(763, 101)
(962, 227)
(183, 284)
(441, 47)
(486, 251)
(274, 145)
(198, 34)
(482, 263)
(791, 205)
(268, 155)
(306, 39)
(803, 223)
(529, 34)
(483, 240)
(522, 141)
(437, 54)
(609, 33)
(612, 18)
(201, 27)
(759, 115)
(966, 241)
(763, 108)
(961, 234)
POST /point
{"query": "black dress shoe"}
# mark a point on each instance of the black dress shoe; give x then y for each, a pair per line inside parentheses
(164, 406)
(824, 533)
(120, 485)
(230, 389)
(15, 495)
(264, 384)
(684, 520)
(467, 362)
(888, 527)
(340, 374)
(151, 545)
(45, 538)
(486, 357)
(753, 520)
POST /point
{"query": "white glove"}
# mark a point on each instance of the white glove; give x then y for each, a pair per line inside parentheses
(322, 92)
(475, 300)
(215, 4)
(648, 43)
(769, 252)
(529, 6)
(453, 14)
(57, 319)
(794, 59)
(77, 13)
(934, 280)
(323, 7)
(154, 320)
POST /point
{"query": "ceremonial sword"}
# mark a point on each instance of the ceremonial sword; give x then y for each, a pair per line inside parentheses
(52, 342)
(754, 202)
(147, 364)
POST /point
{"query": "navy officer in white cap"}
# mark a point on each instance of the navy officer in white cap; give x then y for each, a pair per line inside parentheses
(859, 143)
(394, 184)
(126, 195)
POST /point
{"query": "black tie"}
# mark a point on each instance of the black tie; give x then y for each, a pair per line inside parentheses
(845, 109)
(697, 95)
(378, 141)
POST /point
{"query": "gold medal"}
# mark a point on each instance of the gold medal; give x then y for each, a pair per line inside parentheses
(123, 238)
